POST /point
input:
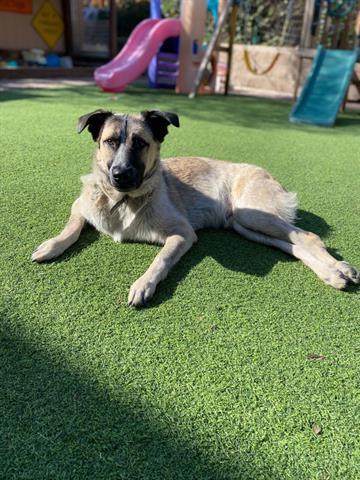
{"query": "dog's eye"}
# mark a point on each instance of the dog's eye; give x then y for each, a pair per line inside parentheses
(112, 142)
(138, 143)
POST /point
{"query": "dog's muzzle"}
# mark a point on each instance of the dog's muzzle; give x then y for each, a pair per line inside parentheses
(125, 178)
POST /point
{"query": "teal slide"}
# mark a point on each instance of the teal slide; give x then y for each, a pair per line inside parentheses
(325, 87)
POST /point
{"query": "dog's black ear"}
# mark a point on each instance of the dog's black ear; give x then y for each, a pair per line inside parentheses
(159, 121)
(94, 121)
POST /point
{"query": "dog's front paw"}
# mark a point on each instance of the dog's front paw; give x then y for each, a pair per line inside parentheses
(141, 292)
(349, 271)
(47, 251)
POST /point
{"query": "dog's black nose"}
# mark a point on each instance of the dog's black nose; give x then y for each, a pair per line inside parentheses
(125, 177)
(122, 173)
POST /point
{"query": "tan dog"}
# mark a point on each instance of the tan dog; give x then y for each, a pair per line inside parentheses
(133, 195)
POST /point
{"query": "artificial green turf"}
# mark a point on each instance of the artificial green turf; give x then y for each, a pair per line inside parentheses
(213, 381)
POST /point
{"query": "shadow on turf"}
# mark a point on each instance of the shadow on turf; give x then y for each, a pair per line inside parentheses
(235, 253)
(21, 94)
(348, 122)
(249, 112)
(88, 236)
(225, 110)
(229, 249)
(59, 424)
(307, 221)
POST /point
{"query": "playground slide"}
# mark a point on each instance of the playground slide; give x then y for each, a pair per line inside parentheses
(325, 87)
(132, 61)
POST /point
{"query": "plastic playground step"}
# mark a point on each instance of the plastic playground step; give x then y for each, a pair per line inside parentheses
(167, 79)
(168, 56)
(165, 73)
(325, 87)
(166, 82)
(168, 65)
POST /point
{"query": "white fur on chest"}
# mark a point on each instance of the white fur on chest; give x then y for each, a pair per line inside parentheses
(125, 222)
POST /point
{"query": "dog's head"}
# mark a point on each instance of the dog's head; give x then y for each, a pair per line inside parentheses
(128, 146)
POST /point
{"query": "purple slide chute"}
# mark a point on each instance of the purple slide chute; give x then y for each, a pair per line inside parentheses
(132, 61)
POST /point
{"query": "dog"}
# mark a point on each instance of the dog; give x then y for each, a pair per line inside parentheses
(133, 195)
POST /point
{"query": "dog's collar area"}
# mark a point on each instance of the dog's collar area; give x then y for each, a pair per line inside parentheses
(118, 204)
(125, 199)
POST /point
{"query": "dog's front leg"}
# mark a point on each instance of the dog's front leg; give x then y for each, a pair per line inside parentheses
(175, 246)
(56, 246)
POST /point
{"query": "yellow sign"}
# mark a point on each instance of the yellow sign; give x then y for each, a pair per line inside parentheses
(48, 24)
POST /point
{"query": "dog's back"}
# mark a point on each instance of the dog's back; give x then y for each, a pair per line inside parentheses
(200, 189)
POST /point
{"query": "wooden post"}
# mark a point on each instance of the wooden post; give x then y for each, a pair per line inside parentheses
(357, 30)
(113, 29)
(193, 22)
(335, 32)
(297, 81)
(326, 30)
(305, 40)
(344, 35)
(232, 31)
(354, 79)
(210, 49)
(67, 27)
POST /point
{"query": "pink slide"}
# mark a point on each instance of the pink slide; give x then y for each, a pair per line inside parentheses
(132, 61)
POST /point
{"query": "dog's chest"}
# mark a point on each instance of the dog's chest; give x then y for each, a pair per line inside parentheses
(122, 221)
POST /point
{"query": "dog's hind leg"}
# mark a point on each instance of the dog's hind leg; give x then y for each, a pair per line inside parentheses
(56, 246)
(331, 276)
(264, 213)
(312, 242)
